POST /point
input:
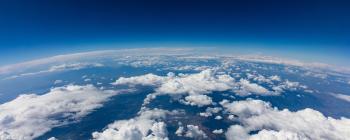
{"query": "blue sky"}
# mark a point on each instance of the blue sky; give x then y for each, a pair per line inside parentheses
(312, 30)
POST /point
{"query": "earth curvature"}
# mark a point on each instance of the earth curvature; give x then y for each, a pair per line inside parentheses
(166, 94)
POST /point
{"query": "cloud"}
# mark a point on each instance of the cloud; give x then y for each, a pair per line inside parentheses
(57, 82)
(200, 83)
(184, 54)
(194, 132)
(236, 132)
(197, 100)
(271, 123)
(30, 115)
(218, 131)
(210, 111)
(180, 131)
(146, 126)
(277, 135)
(52, 138)
(218, 118)
(246, 108)
(247, 88)
(289, 85)
(91, 56)
(275, 78)
(341, 96)
(58, 68)
(194, 84)
(274, 60)
(259, 78)
(190, 131)
(146, 80)
(51, 60)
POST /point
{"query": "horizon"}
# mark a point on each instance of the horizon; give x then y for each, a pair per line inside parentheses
(311, 31)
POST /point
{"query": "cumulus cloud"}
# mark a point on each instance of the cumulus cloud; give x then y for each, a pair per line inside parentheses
(193, 131)
(271, 123)
(247, 88)
(194, 84)
(200, 83)
(180, 131)
(52, 138)
(275, 78)
(288, 85)
(218, 117)
(210, 111)
(218, 131)
(259, 78)
(246, 108)
(204, 82)
(146, 126)
(277, 135)
(341, 96)
(146, 80)
(198, 100)
(30, 115)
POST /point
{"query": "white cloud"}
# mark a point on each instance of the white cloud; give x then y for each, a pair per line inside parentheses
(193, 84)
(289, 85)
(275, 78)
(91, 56)
(146, 80)
(259, 78)
(193, 131)
(179, 132)
(247, 88)
(31, 115)
(277, 135)
(200, 83)
(218, 131)
(246, 108)
(58, 68)
(218, 117)
(50, 60)
(236, 132)
(275, 60)
(257, 115)
(198, 100)
(341, 96)
(52, 138)
(190, 131)
(57, 82)
(146, 126)
(210, 111)
(204, 82)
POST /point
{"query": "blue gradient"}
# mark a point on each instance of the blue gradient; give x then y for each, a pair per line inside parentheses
(310, 30)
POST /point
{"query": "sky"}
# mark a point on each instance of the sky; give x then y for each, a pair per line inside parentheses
(311, 30)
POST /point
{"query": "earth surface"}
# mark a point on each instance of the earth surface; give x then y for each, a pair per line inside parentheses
(172, 94)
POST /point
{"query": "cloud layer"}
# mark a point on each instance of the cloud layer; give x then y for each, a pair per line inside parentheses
(195, 85)
(31, 115)
(146, 126)
(271, 123)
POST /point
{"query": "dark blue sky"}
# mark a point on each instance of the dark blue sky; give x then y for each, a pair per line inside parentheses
(37, 28)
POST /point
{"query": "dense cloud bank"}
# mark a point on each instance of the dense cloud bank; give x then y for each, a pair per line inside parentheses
(146, 126)
(271, 123)
(31, 115)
